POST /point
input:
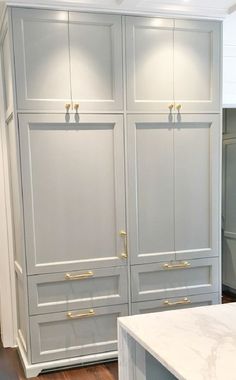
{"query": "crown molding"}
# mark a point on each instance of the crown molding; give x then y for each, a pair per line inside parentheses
(130, 7)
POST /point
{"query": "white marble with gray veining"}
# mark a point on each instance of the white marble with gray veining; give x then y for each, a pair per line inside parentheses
(193, 344)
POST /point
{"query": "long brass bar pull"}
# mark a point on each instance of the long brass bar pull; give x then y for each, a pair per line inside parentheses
(81, 276)
(124, 254)
(90, 313)
(182, 265)
(184, 301)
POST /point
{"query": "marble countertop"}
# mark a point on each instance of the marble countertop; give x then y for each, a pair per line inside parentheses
(193, 344)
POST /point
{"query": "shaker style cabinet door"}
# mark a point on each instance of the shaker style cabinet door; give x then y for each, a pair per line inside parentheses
(149, 53)
(73, 192)
(197, 170)
(96, 61)
(197, 59)
(41, 59)
(151, 188)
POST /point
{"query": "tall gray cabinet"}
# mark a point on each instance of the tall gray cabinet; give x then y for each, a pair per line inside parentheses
(114, 126)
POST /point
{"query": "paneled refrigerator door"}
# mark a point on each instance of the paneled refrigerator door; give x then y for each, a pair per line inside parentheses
(151, 188)
(197, 186)
(73, 192)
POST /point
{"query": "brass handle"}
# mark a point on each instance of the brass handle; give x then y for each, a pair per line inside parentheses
(67, 107)
(184, 301)
(183, 264)
(81, 276)
(124, 254)
(90, 313)
(171, 106)
(178, 107)
(76, 107)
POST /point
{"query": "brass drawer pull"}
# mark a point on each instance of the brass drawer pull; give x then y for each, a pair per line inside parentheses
(178, 107)
(171, 106)
(182, 265)
(81, 276)
(90, 313)
(67, 107)
(184, 301)
(124, 254)
(76, 107)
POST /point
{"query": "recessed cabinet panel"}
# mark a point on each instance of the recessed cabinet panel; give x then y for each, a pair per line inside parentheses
(197, 152)
(175, 303)
(149, 63)
(41, 59)
(73, 185)
(174, 279)
(197, 65)
(49, 293)
(85, 332)
(96, 61)
(151, 188)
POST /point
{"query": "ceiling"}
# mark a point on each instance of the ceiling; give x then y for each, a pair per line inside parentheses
(199, 8)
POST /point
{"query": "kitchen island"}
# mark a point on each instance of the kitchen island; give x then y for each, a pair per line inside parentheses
(187, 344)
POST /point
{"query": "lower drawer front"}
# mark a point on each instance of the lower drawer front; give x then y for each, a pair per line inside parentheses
(175, 303)
(174, 279)
(81, 332)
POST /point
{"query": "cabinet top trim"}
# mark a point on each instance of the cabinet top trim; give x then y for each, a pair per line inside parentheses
(126, 8)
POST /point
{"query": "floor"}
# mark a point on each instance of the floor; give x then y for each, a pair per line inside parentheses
(10, 367)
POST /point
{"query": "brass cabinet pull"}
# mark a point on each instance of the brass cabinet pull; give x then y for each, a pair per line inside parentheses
(124, 254)
(184, 301)
(67, 107)
(182, 265)
(76, 107)
(178, 107)
(81, 276)
(171, 106)
(90, 313)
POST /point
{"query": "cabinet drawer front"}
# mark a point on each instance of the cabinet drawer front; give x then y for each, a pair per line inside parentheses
(175, 303)
(74, 290)
(56, 336)
(174, 279)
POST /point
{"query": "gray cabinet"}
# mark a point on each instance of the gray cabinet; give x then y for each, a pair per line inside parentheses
(116, 203)
(96, 61)
(74, 192)
(173, 63)
(173, 303)
(41, 59)
(82, 332)
(67, 58)
(173, 182)
(174, 279)
(49, 293)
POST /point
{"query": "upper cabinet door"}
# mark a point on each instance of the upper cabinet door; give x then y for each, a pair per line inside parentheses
(197, 178)
(150, 188)
(197, 62)
(73, 192)
(96, 61)
(41, 59)
(149, 52)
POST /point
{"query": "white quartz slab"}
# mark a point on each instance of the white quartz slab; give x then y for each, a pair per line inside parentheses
(193, 344)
